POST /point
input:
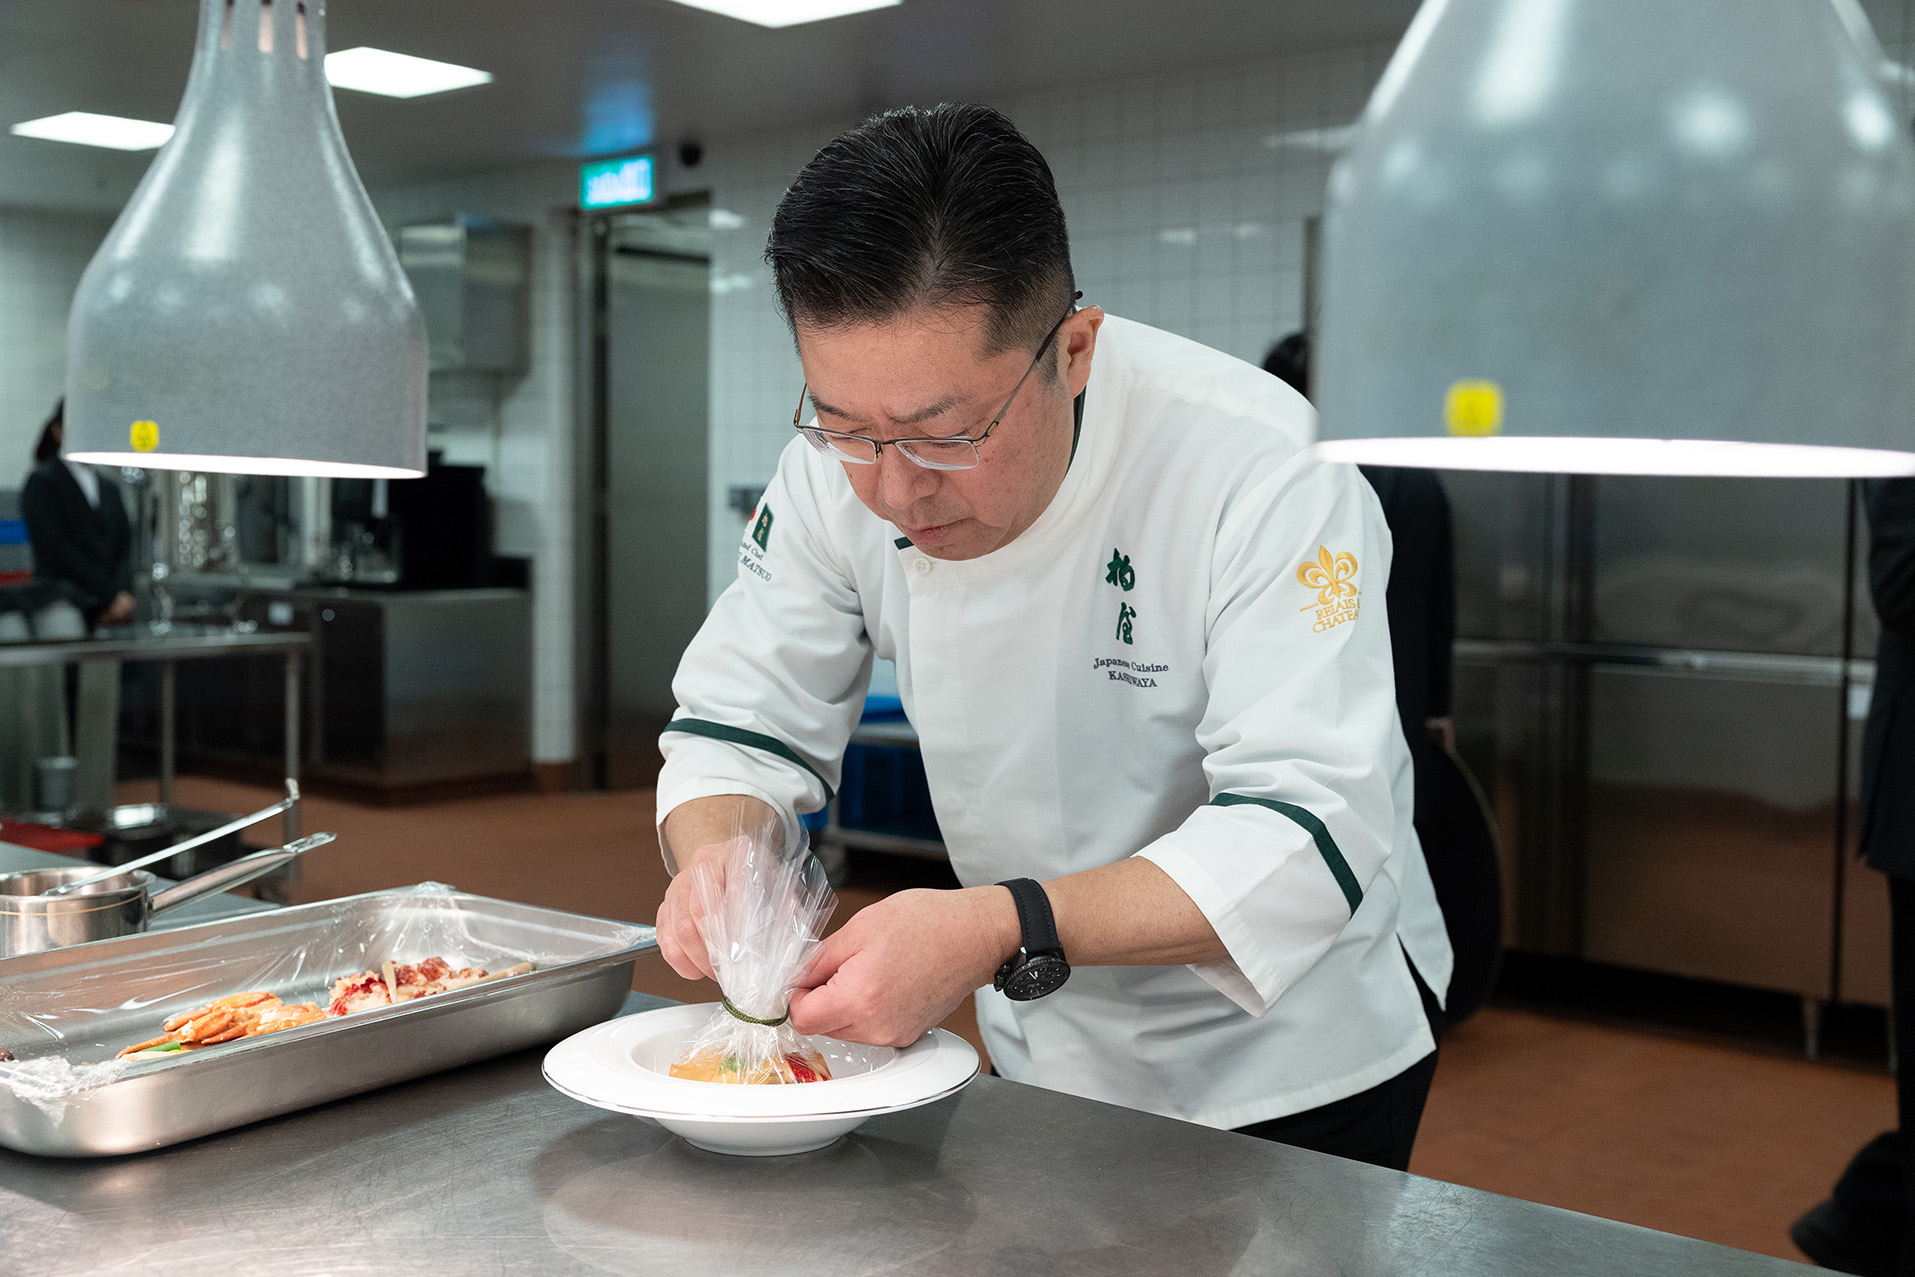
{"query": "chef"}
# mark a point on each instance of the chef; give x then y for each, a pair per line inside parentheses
(1141, 634)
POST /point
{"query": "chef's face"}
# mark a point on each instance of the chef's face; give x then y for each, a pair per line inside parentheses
(926, 373)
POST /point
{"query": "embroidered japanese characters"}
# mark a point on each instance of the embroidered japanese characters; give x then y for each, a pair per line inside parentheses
(1119, 573)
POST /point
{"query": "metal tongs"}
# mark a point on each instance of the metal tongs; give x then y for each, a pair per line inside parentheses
(199, 840)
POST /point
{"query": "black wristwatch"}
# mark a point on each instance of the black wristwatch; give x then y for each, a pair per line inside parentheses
(1039, 967)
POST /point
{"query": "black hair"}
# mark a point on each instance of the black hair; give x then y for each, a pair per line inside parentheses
(949, 205)
(1289, 361)
(50, 434)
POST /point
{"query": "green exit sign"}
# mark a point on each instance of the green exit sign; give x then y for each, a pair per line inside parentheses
(610, 183)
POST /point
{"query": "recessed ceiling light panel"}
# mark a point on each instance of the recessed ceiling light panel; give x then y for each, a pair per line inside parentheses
(398, 75)
(88, 129)
(786, 13)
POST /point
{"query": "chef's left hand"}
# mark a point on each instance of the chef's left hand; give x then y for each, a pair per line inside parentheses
(903, 964)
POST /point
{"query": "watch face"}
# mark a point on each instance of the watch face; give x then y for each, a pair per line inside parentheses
(1041, 975)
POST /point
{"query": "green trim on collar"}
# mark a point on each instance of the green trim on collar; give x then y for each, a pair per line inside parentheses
(903, 543)
(750, 739)
(1319, 833)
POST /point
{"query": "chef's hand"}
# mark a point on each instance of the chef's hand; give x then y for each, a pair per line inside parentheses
(119, 610)
(679, 938)
(903, 964)
(697, 837)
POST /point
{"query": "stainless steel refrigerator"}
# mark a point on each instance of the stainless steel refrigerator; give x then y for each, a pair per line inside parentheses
(1661, 682)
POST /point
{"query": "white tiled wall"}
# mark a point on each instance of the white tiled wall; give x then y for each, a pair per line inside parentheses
(41, 258)
(1185, 194)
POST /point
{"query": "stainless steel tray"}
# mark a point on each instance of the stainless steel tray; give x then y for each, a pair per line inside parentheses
(84, 1003)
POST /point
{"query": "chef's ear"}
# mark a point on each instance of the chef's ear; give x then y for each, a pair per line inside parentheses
(1076, 342)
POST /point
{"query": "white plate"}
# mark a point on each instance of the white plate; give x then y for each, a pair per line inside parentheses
(623, 1065)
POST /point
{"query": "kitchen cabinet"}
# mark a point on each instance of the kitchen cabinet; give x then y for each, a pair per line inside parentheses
(408, 693)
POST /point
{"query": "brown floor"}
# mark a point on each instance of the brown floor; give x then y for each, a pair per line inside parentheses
(1704, 1137)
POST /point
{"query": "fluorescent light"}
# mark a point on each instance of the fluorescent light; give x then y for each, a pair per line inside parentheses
(241, 465)
(398, 75)
(1579, 455)
(88, 129)
(786, 13)
(1330, 141)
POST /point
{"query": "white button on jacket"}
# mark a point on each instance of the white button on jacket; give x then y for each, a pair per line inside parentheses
(1186, 658)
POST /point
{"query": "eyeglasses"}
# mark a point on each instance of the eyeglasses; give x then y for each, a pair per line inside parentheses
(934, 452)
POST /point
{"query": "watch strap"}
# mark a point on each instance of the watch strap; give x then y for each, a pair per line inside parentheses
(1034, 917)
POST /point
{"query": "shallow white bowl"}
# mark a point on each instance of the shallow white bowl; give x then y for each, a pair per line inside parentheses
(623, 1065)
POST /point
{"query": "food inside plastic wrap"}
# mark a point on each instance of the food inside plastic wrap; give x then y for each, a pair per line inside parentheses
(402, 981)
(761, 910)
(716, 1066)
(241, 1015)
(245, 1015)
(66, 1014)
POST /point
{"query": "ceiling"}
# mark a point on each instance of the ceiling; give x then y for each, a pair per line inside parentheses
(592, 77)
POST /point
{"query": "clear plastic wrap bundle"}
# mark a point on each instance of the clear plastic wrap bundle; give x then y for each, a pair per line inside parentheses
(761, 912)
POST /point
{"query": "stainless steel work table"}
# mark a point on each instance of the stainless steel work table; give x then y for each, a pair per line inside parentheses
(98, 725)
(488, 1170)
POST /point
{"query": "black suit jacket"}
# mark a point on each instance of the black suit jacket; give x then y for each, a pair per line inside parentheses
(1888, 740)
(1421, 597)
(86, 548)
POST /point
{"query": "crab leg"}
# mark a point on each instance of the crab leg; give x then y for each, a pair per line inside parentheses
(234, 1002)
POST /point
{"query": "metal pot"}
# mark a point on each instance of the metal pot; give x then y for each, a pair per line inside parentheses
(118, 906)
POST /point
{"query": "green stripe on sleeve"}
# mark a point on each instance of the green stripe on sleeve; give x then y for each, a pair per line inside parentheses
(1332, 854)
(750, 739)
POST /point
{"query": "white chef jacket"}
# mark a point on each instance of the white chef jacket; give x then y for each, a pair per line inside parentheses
(1186, 657)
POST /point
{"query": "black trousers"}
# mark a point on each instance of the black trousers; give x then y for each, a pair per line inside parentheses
(1875, 1198)
(1376, 1126)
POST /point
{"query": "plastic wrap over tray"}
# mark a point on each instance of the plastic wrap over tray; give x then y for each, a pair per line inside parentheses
(65, 1013)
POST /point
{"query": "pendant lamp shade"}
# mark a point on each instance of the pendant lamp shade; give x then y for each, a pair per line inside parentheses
(247, 314)
(1623, 236)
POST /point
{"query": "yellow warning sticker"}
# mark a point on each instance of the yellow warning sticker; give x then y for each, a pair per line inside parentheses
(145, 436)
(1474, 409)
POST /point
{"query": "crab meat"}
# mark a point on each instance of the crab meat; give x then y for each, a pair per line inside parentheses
(273, 1019)
(359, 992)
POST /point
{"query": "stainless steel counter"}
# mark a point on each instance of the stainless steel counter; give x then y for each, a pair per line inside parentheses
(488, 1170)
(97, 729)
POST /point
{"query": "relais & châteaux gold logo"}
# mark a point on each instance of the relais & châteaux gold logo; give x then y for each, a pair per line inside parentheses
(1333, 577)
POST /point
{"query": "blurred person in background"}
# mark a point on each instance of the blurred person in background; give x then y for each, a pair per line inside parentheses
(1863, 1227)
(77, 526)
